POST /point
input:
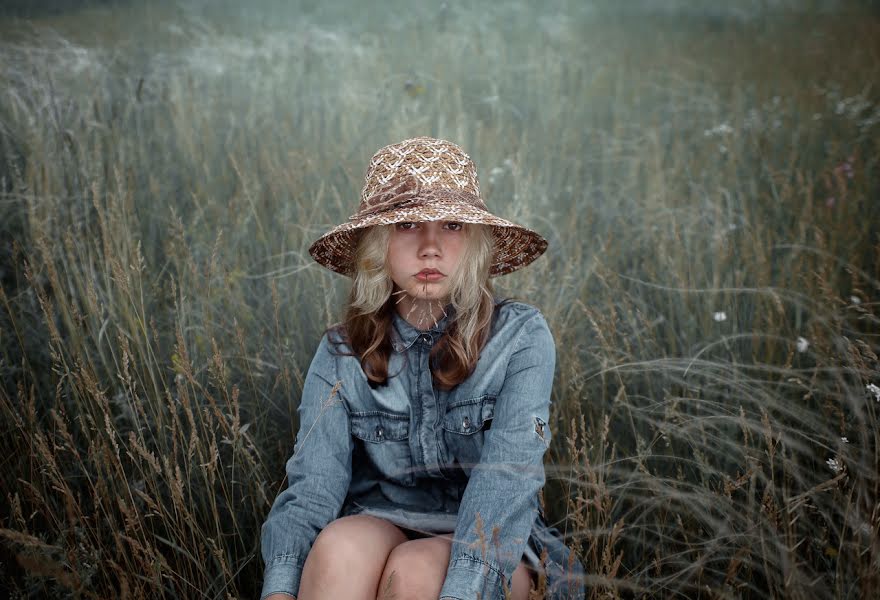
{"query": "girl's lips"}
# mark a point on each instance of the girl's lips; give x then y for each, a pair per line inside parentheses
(430, 276)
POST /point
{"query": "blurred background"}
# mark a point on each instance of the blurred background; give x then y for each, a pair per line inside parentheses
(706, 174)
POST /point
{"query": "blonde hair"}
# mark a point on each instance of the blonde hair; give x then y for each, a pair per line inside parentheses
(367, 322)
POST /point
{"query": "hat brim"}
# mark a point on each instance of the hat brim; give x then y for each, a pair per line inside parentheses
(515, 246)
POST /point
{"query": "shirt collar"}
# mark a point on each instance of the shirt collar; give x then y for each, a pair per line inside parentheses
(404, 334)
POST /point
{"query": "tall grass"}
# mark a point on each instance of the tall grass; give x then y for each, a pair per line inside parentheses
(709, 189)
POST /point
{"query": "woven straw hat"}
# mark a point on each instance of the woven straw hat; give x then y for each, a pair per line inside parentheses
(425, 179)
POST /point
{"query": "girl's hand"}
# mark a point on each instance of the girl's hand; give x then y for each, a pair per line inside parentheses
(280, 597)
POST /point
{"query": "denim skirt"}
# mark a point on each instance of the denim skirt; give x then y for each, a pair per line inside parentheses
(565, 574)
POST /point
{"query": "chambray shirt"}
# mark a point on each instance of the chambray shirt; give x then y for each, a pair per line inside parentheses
(407, 449)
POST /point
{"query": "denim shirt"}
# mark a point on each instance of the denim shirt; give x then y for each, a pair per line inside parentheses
(472, 456)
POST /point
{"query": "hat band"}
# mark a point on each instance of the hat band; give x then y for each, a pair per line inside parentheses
(407, 192)
(397, 193)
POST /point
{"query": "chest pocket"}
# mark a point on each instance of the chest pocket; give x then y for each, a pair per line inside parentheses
(384, 439)
(464, 425)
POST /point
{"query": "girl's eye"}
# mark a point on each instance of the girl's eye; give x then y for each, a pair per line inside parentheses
(454, 225)
(406, 225)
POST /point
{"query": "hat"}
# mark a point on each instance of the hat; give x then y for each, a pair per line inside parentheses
(425, 179)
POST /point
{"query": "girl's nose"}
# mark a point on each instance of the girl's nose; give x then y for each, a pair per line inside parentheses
(429, 240)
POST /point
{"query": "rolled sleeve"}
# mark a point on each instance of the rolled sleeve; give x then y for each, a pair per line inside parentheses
(501, 497)
(318, 476)
(469, 578)
(282, 576)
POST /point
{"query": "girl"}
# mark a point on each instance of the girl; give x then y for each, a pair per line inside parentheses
(418, 463)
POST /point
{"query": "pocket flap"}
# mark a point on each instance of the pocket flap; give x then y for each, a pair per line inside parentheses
(378, 427)
(470, 416)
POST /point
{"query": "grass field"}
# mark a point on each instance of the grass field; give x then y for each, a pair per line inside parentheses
(707, 177)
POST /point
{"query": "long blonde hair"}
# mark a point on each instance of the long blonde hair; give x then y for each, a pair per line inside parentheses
(367, 322)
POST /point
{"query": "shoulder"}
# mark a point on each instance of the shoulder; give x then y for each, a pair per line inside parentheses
(335, 339)
(516, 313)
(522, 323)
(331, 346)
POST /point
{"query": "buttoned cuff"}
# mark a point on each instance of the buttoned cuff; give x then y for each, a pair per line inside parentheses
(469, 578)
(282, 576)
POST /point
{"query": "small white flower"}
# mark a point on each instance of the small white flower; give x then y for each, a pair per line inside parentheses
(855, 299)
(873, 389)
(719, 316)
(802, 344)
(834, 464)
(722, 149)
(721, 129)
(496, 172)
(845, 440)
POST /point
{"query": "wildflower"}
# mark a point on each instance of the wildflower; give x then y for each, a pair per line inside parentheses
(802, 344)
(845, 168)
(721, 129)
(830, 201)
(494, 174)
(873, 389)
(719, 316)
(845, 440)
(834, 464)
(855, 299)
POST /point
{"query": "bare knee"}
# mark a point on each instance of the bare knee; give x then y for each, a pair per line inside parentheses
(415, 569)
(354, 542)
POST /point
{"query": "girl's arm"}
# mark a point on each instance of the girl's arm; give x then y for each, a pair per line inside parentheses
(502, 491)
(318, 476)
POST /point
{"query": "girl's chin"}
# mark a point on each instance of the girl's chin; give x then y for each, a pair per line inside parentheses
(431, 292)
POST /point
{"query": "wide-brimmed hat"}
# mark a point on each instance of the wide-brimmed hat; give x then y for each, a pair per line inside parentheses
(425, 179)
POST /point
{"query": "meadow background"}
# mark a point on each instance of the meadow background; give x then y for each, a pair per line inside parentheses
(706, 173)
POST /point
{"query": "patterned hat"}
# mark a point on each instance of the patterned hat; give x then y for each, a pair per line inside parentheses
(425, 179)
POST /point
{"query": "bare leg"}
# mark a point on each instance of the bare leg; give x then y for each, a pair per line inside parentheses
(416, 570)
(347, 558)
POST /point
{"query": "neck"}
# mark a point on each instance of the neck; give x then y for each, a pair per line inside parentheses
(420, 313)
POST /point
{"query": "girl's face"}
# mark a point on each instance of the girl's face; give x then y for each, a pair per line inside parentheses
(418, 245)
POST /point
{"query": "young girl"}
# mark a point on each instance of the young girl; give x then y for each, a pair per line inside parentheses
(418, 463)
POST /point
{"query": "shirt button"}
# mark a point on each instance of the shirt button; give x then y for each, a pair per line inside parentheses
(426, 338)
(379, 432)
(466, 423)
